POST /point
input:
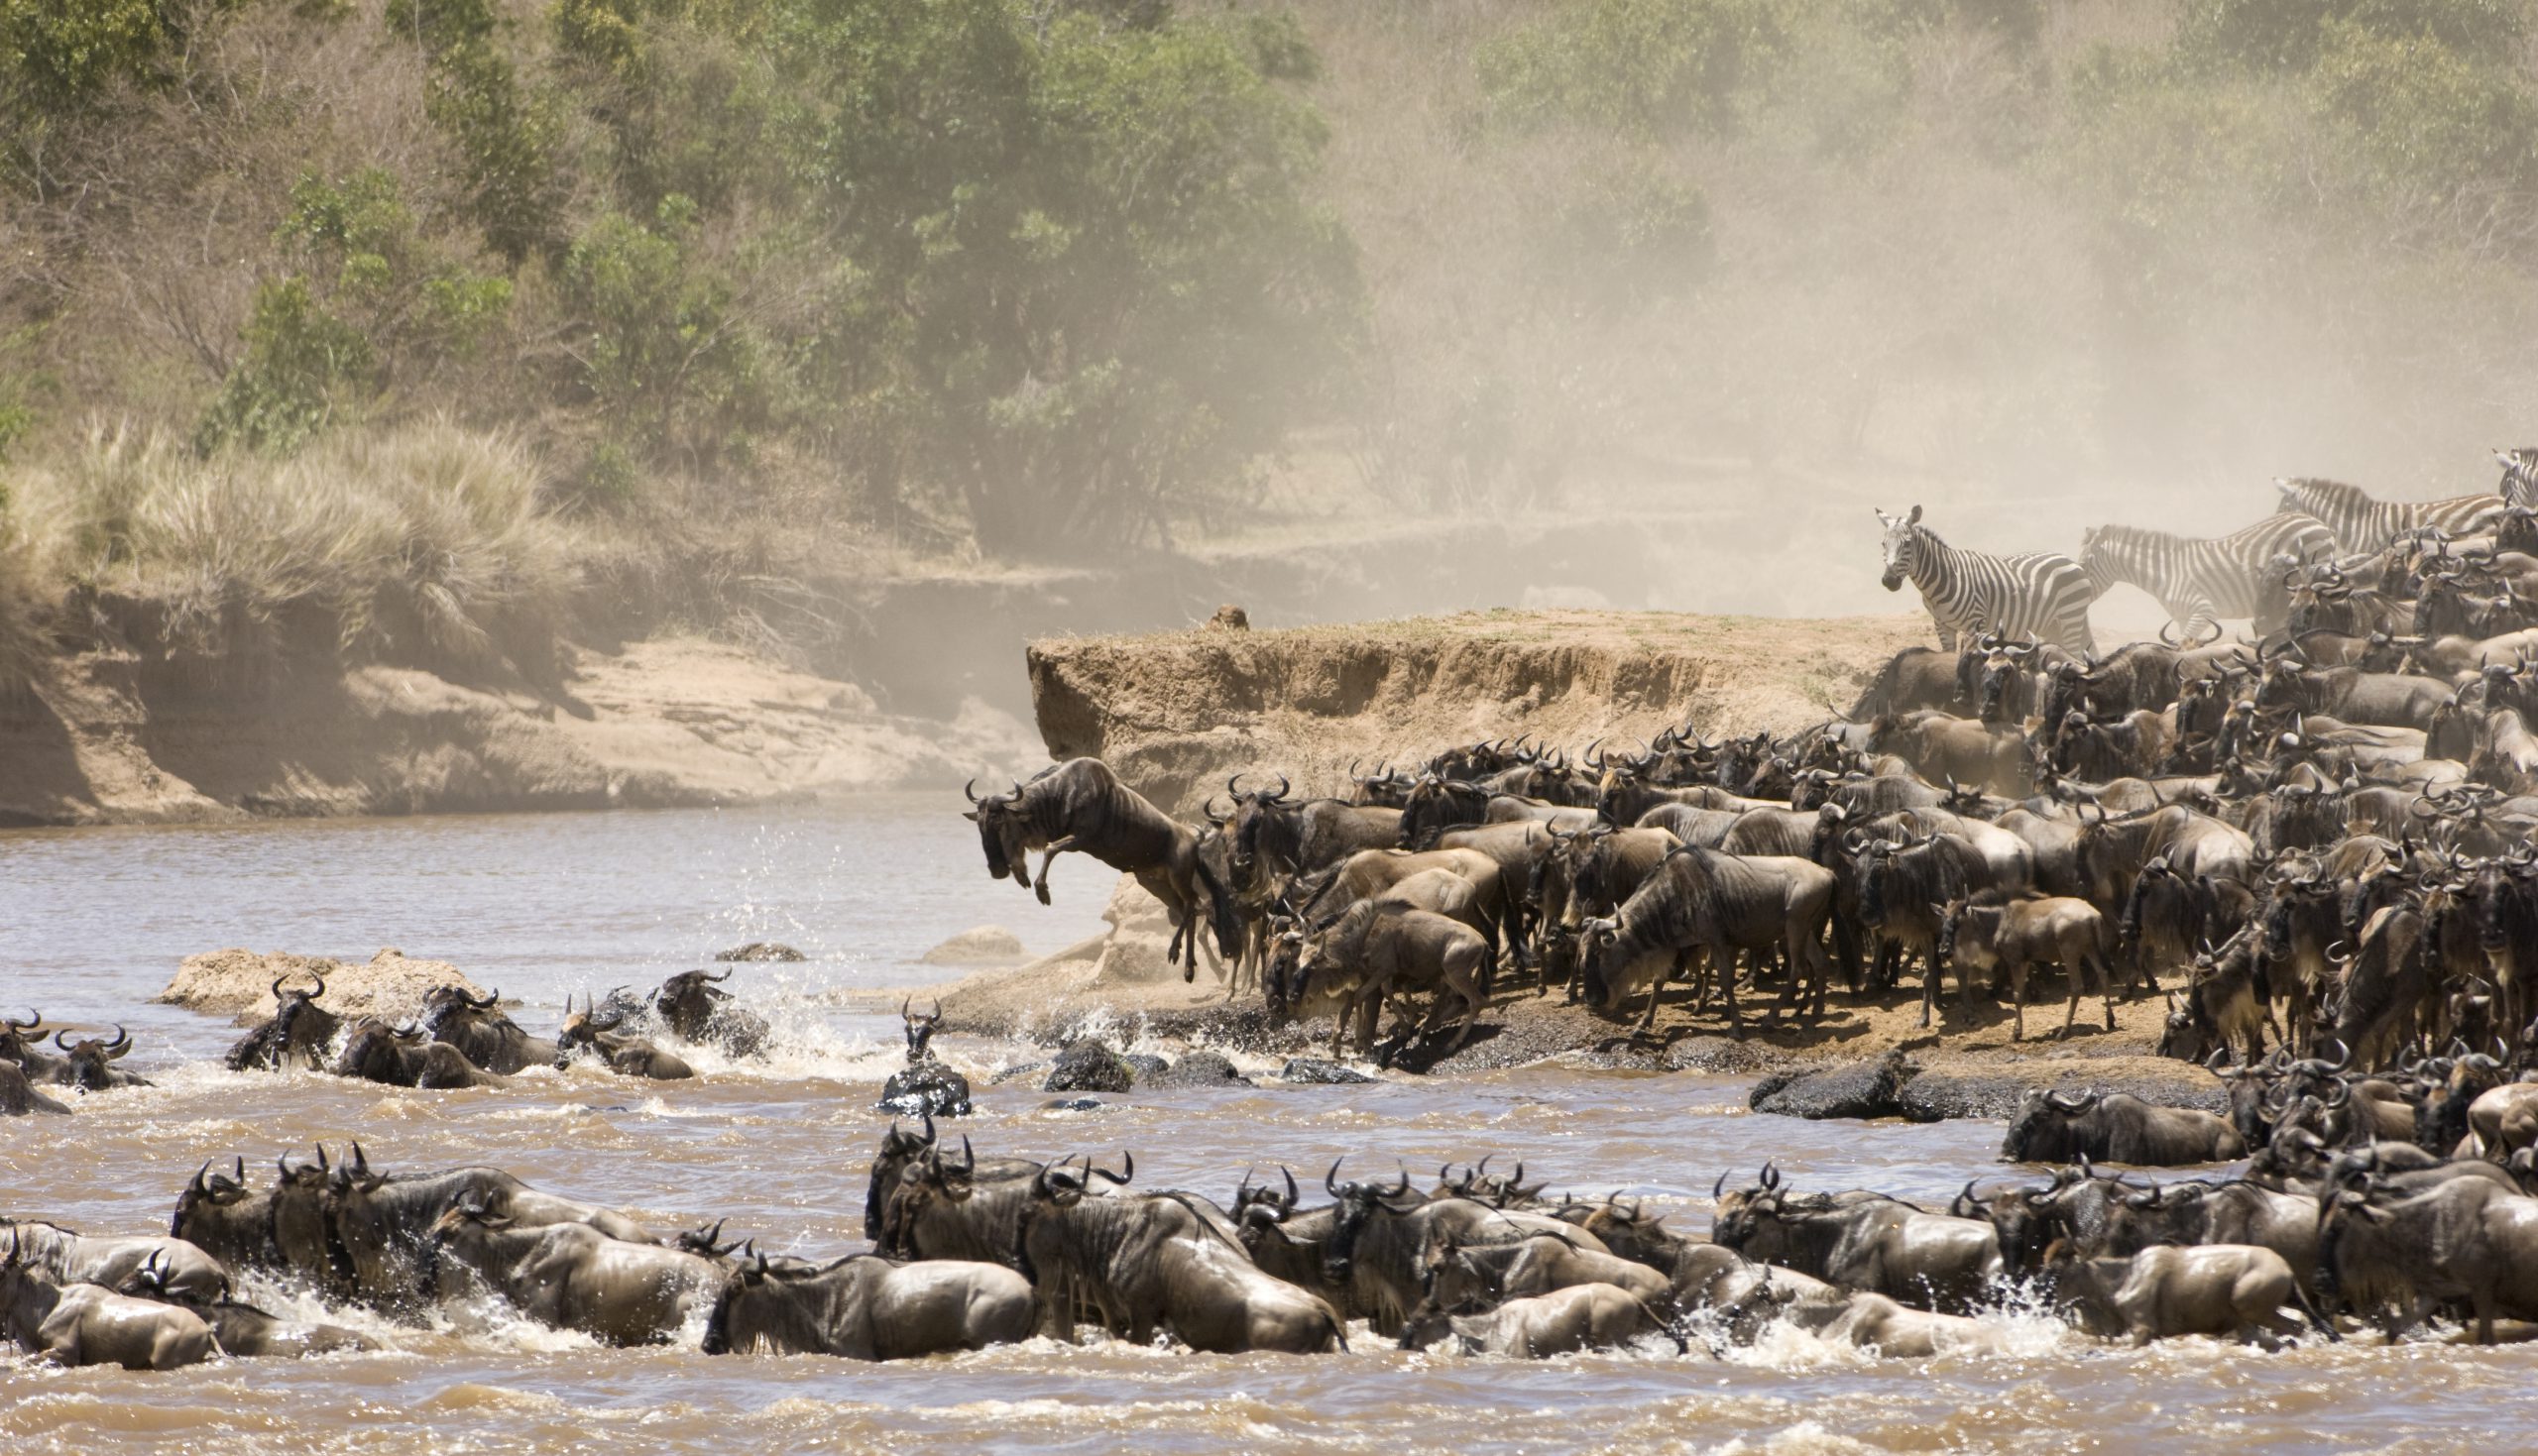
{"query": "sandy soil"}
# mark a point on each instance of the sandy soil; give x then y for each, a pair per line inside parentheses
(660, 724)
(236, 982)
(1177, 712)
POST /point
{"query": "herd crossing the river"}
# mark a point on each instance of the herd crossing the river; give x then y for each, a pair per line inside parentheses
(2313, 845)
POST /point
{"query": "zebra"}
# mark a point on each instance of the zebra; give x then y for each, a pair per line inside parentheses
(2042, 596)
(2519, 475)
(2363, 523)
(2202, 579)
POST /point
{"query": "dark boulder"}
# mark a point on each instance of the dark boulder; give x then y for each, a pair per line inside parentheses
(1088, 1067)
(927, 1088)
(762, 950)
(1198, 1069)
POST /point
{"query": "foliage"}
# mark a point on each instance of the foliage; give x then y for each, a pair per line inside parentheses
(2292, 35)
(300, 362)
(1643, 66)
(60, 54)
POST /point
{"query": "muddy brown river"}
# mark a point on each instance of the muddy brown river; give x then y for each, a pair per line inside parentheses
(93, 924)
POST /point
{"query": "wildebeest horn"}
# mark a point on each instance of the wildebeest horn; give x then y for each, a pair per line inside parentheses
(927, 1114)
(1284, 789)
(1719, 1189)
(2081, 1103)
(197, 1185)
(24, 1026)
(1283, 1172)
(972, 790)
(492, 999)
(968, 1159)
(1233, 785)
(2165, 639)
(1771, 1175)
(1329, 1180)
(120, 1045)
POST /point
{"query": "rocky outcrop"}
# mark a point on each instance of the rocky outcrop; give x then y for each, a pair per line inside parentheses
(239, 983)
(988, 945)
(1175, 712)
(1088, 1067)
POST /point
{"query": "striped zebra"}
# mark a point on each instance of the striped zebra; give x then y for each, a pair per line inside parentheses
(2041, 594)
(2519, 475)
(2202, 579)
(2363, 523)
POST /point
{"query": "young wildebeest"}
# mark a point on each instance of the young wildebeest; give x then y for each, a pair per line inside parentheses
(1986, 933)
(1463, 1280)
(1579, 1317)
(1081, 806)
(1377, 951)
(868, 1307)
(2236, 1290)
(1702, 901)
(18, 1096)
(243, 1329)
(90, 1325)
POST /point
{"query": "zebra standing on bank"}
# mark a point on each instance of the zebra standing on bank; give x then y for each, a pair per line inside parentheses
(2042, 596)
(2363, 523)
(2202, 579)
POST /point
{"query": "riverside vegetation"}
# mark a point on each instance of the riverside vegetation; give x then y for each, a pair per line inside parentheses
(425, 330)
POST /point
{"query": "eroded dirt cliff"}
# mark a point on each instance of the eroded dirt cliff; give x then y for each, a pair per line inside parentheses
(1175, 712)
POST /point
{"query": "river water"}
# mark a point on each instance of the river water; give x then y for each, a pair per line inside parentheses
(93, 924)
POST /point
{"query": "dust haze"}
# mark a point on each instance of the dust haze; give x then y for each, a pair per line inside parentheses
(2029, 268)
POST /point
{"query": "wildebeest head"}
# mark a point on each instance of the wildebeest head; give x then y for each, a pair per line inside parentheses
(688, 1001)
(1743, 1214)
(203, 1196)
(1251, 813)
(447, 1008)
(920, 1026)
(1357, 1202)
(92, 1062)
(1001, 831)
(1254, 1205)
(2039, 1132)
(1902, 547)
(17, 1037)
(376, 1051)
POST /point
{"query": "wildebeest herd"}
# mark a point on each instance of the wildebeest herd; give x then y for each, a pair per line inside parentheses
(2317, 837)
(2314, 845)
(971, 1252)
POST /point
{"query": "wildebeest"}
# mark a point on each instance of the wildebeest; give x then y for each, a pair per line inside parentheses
(2162, 1293)
(1592, 1316)
(868, 1307)
(624, 1055)
(300, 1034)
(1464, 1281)
(1377, 951)
(399, 1057)
(22, 1042)
(242, 1329)
(1877, 1322)
(1081, 806)
(2011, 935)
(79, 1322)
(1380, 1234)
(926, 1085)
(89, 1063)
(67, 1257)
(2115, 1127)
(695, 1007)
(1699, 900)
(478, 1027)
(2465, 1239)
(573, 1277)
(1874, 1244)
(1153, 1262)
(18, 1096)
(380, 1224)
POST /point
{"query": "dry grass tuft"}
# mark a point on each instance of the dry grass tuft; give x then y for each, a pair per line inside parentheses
(424, 544)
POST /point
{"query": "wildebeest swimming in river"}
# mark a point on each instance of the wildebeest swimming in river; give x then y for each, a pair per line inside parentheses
(1081, 806)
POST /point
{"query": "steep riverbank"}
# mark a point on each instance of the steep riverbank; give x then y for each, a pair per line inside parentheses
(1175, 712)
(103, 739)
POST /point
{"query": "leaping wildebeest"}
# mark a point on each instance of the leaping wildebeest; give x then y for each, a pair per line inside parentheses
(1081, 806)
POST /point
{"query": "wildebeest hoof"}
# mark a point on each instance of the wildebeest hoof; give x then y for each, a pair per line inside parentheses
(1042, 891)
